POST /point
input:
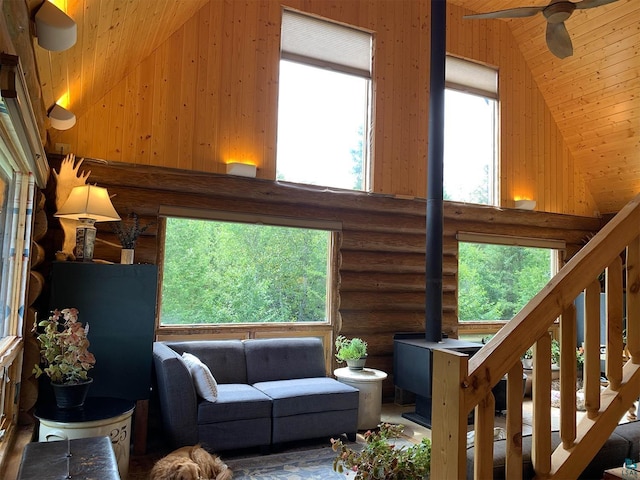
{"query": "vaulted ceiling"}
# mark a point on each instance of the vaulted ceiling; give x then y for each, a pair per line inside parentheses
(592, 95)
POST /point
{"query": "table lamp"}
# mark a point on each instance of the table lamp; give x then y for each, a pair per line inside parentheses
(88, 204)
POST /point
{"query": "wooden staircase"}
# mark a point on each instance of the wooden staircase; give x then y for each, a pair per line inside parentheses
(461, 383)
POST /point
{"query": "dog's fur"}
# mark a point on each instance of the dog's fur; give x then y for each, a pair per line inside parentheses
(190, 463)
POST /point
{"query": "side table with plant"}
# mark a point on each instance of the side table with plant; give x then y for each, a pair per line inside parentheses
(64, 353)
(380, 459)
(351, 350)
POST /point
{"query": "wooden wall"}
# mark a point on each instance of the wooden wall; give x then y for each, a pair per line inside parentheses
(209, 95)
(381, 254)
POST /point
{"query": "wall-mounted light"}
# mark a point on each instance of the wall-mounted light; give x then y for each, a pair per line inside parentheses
(56, 31)
(61, 118)
(525, 204)
(241, 169)
(89, 204)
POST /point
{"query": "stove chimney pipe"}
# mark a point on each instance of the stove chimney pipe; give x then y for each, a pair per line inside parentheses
(434, 220)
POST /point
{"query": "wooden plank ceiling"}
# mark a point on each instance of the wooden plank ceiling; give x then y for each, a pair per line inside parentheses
(592, 95)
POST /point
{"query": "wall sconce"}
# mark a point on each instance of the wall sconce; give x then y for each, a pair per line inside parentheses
(88, 204)
(241, 169)
(61, 118)
(56, 31)
(525, 204)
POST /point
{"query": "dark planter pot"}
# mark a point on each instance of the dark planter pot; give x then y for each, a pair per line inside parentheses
(71, 395)
(357, 364)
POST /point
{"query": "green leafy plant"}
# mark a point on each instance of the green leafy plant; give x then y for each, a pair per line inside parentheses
(380, 459)
(129, 230)
(555, 352)
(580, 356)
(350, 349)
(528, 354)
(64, 347)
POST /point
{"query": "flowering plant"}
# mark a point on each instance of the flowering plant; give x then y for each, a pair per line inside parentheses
(380, 459)
(580, 355)
(129, 230)
(64, 347)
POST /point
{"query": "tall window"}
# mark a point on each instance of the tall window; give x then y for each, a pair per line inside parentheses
(220, 272)
(324, 103)
(497, 276)
(470, 153)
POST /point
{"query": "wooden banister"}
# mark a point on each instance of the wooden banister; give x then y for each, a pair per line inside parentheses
(463, 385)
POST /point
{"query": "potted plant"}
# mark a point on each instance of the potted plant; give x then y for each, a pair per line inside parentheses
(351, 350)
(527, 358)
(128, 232)
(64, 352)
(381, 459)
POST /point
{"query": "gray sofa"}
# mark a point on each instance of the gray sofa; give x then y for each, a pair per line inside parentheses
(623, 443)
(270, 391)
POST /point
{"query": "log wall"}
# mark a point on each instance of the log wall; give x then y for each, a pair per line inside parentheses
(380, 261)
(209, 93)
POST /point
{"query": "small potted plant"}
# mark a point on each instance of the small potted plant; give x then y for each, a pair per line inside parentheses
(527, 358)
(64, 352)
(381, 459)
(128, 232)
(351, 350)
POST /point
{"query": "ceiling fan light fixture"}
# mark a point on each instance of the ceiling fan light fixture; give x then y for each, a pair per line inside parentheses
(61, 118)
(56, 31)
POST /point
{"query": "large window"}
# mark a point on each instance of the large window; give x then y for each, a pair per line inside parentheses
(323, 103)
(470, 153)
(497, 276)
(225, 272)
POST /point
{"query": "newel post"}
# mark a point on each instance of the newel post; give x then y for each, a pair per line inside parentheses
(449, 418)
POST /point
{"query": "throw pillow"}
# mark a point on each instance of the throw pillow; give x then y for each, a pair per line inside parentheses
(203, 379)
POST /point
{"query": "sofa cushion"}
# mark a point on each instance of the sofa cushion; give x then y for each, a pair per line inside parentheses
(284, 358)
(309, 395)
(225, 358)
(235, 402)
(203, 380)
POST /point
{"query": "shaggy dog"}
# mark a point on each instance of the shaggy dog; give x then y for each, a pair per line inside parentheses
(190, 463)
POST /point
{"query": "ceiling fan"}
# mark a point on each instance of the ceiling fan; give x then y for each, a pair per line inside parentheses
(556, 12)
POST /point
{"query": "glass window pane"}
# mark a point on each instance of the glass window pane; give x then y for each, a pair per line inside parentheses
(469, 148)
(223, 272)
(496, 281)
(321, 127)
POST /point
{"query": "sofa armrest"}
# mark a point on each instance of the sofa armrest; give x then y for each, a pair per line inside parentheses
(178, 400)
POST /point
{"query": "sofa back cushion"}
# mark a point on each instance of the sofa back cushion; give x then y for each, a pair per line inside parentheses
(225, 358)
(271, 359)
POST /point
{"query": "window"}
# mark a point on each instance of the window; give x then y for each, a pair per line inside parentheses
(324, 103)
(230, 272)
(498, 276)
(470, 153)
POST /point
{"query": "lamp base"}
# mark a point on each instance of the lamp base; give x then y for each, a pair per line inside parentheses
(85, 242)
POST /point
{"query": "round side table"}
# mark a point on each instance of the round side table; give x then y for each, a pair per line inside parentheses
(369, 382)
(100, 416)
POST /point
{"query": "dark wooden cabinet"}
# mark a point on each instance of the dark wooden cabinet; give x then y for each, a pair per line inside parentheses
(119, 304)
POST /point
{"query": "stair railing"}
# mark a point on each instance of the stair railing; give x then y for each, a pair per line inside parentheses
(462, 384)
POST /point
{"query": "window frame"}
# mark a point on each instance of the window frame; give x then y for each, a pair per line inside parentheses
(322, 329)
(301, 50)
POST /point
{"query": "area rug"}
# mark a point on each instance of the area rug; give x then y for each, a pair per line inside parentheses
(314, 464)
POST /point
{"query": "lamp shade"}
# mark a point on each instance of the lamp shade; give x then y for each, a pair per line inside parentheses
(55, 29)
(61, 118)
(88, 201)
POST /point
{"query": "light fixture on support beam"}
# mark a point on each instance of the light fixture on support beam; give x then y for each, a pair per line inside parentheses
(241, 169)
(56, 31)
(524, 204)
(61, 118)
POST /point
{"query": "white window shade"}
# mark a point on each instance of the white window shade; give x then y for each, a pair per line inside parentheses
(325, 44)
(471, 77)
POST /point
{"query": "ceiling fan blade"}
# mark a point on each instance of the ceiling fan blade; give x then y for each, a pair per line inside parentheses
(558, 40)
(520, 12)
(593, 3)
